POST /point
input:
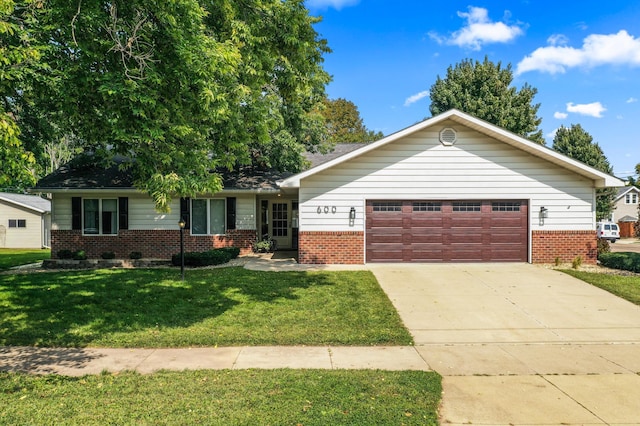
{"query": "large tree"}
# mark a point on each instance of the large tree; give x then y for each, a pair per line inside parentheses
(344, 123)
(484, 90)
(578, 144)
(19, 61)
(181, 88)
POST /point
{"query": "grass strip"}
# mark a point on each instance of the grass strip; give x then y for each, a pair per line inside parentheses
(212, 307)
(625, 286)
(238, 397)
(16, 257)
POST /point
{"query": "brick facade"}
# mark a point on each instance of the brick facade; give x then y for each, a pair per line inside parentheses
(331, 247)
(153, 244)
(546, 246)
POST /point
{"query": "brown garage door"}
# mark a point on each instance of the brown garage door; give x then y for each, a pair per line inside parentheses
(447, 231)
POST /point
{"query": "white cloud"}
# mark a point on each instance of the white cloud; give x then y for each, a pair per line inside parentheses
(415, 98)
(557, 40)
(552, 134)
(325, 4)
(560, 115)
(597, 49)
(632, 100)
(479, 30)
(594, 109)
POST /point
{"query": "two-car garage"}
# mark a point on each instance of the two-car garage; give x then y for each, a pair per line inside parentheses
(447, 231)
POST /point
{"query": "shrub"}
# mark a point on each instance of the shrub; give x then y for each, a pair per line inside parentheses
(626, 261)
(79, 255)
(135, 255)
(233, 251)
(603, 246)
(108, 255)
(558, 261)
(65, 254)
(576, 262)
(205, 258)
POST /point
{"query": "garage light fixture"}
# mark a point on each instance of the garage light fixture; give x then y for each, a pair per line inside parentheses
(544, 212)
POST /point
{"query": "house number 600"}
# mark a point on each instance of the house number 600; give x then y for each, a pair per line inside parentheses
(326, 209)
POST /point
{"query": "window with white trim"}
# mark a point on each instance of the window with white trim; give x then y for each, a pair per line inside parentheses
(392, 206)
(100, 216)
(208, 216)
(465, 206)
(427, 206)
(505, 206)
(17, 223)
(631, 198)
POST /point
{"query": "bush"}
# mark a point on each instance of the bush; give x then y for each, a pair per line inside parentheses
(108, 255)
(233, 251)
(207, 258)
(577, 261)
(65, 254)
(603, 247)
(135, 255)
(79, 255)
(626, 261)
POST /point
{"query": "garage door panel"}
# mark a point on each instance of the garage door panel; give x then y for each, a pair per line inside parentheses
(448, 232)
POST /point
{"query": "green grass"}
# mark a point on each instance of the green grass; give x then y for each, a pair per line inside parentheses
(16, 257)
(240, 397)
(224, 307)
(627, 287)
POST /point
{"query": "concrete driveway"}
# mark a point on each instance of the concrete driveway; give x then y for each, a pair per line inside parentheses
(520, 344)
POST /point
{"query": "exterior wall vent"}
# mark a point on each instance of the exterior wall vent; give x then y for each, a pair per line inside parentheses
(448, 136)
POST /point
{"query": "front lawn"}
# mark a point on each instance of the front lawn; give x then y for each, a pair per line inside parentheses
(223, 307)
(16, 257)
(239, 397)
(625, 286)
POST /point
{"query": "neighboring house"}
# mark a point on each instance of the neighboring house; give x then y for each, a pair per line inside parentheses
(25, 221)
(452, 188)
(626, 209)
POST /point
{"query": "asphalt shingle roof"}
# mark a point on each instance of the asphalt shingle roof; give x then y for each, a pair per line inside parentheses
(79, 174)
(32, 202)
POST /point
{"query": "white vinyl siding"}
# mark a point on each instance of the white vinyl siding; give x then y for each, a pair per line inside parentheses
(29, 236)
(142, 213)
(419, 167)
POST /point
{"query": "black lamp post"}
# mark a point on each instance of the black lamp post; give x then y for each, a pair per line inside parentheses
(182, 224)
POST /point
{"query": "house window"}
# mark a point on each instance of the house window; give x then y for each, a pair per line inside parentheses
(427, 207)
(100, 216)
(462, 206)
(505, 206)
(208, 216)
(631, 198)
(387, 207)
(17, 223)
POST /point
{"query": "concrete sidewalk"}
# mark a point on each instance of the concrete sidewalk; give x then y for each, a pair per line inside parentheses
(79, 362)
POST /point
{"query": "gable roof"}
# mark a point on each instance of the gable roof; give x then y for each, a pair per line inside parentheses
(626, 189)
(600, 179)
(31, 202)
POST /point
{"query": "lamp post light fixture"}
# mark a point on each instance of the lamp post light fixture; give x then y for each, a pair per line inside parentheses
(182, 224)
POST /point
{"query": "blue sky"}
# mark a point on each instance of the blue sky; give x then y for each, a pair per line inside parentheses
(584, 60)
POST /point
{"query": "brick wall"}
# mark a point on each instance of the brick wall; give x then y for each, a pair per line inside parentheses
(158, 244)
(331, 247)
(546, 246)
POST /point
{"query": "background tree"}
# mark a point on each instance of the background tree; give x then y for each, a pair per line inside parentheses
(180, 88)
(483, 89)
(576, 143)
(344, 124)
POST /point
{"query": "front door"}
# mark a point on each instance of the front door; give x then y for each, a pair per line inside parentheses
(280, 223)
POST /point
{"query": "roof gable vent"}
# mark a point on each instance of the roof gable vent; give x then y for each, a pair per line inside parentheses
(448, 136)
